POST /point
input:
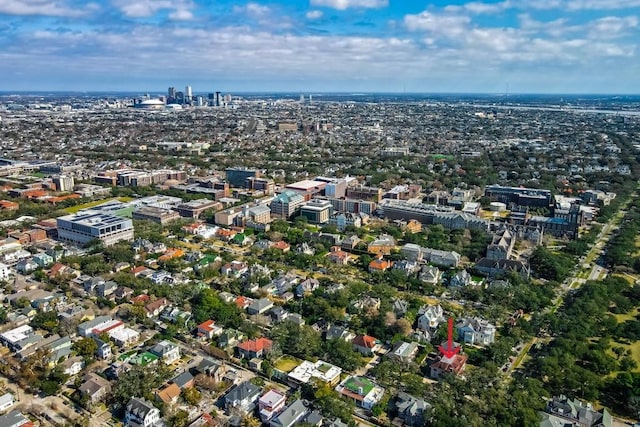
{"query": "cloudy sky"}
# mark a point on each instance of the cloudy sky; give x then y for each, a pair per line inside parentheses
(535, 46)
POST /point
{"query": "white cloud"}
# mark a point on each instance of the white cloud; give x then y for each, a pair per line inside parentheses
(441, 47)
(450, 25)
(181, 15)
(314, 14)
(252, 9)
(602, 4)
(348, 4)
(40, 7)
(146, 8)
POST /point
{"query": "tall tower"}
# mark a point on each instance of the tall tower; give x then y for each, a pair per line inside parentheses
(188, 95)
(171, 93)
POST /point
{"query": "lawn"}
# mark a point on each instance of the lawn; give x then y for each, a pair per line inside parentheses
(74, 209)
(623, 317)
(635, 352)
(286, 364)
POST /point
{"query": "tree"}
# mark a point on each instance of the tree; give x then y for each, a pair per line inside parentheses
(139, 381)
(47, 320)
(86, 347)
(191, 395)
(179, 419)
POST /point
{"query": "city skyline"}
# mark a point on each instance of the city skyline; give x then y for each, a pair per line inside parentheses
(559, 46)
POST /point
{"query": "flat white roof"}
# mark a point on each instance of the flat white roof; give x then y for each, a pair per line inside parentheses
(321, 370)
(17, 334)
(306, 184)
(124, 334)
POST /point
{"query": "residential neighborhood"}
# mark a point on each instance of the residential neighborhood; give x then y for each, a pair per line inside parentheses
(276, 272)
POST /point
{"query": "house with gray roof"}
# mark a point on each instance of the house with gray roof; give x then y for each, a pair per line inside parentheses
(290, 415)
(242, 398)
(410, 409)
(476, 331)
(260, 306)
(562, 411)
(142, 413)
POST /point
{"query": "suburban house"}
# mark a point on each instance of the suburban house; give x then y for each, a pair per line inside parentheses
(319, 371)
(254, 348)
(15, 419)
(153, 309)
(6, 401)
(430, 317)
(411, 410)
(364, 392)
(380, 265)
(448, 365)
(429, 274)
(212, 368)
(476, 331)
(562, 411)
(366, 345)
(234, 268)
(167, 351)
(94, 387)
(441, 258)
(460, 279)
(338, 256)
(404, 352)
(270, 404)
(208, 329)
(141, 413)
(291, 415)
(242, 398)
(168, 395)
(383, 245)
(306, 287)
(260, 306)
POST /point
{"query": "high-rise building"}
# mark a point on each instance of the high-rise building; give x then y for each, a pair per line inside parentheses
(188, 94)
(236, 176)
(63, 182)
(217, 99)
(171, 93)
(83, 227)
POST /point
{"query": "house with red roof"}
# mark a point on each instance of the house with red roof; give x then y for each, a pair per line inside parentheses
(282, 245)
(338, 256)
(141, 299)
(366, 345)
(208, 329)
(154, 308)
(254, 348)
(380, 265)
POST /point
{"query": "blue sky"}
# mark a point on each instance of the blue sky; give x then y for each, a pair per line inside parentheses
(533, 46)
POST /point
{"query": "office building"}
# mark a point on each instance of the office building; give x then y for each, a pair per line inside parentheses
(286, 204)
(365, 193)
(195, 208)
(317, 211)
(171, 93)
(265, 185)
(336, 189)
(534, 197)
(63, 183)
(188, 94)
(155, 214)
(308, 188)
(236, 176)
(85, 226)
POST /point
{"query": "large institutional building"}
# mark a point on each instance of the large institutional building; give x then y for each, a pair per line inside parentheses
(85, 226)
